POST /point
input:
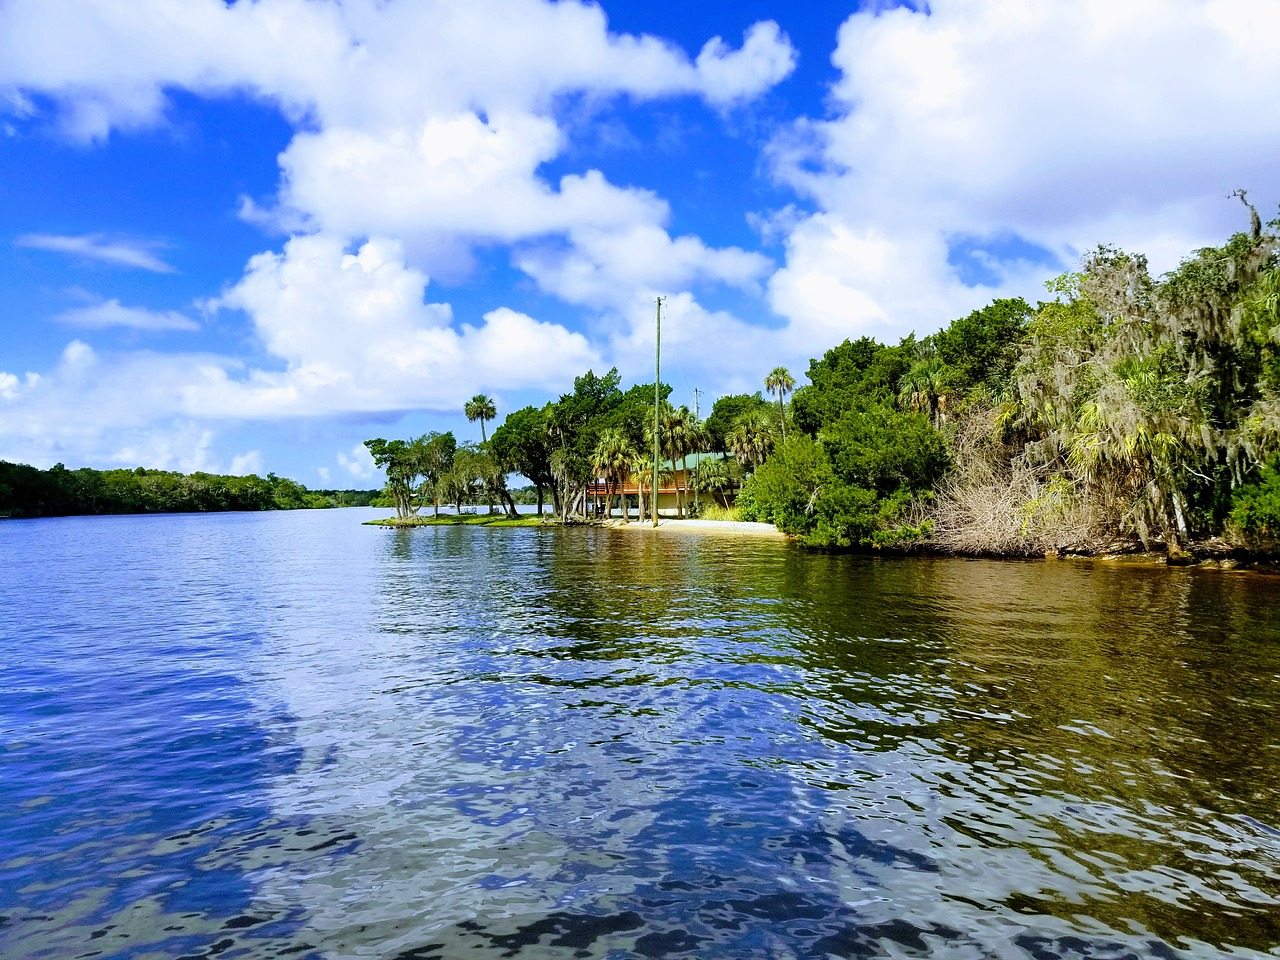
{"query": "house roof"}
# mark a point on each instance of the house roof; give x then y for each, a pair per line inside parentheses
(692, 460)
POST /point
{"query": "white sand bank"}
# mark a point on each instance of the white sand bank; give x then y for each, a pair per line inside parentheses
(729, 528)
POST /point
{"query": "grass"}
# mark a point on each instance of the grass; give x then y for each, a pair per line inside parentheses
(464, 520)
(713, 511)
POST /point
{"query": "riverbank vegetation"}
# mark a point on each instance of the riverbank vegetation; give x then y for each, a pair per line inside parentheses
(461, 520)
(26, 491)
(1123, 412)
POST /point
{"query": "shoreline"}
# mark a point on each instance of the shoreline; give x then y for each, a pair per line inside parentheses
(736, 528)
(1201, 556)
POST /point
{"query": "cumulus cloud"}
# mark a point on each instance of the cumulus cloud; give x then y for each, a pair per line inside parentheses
(96, 246)
(356, 334)
(1062, 125)
(111, 313)
(353, 331)
(247, 463)
(358, 462)
(602, 267)
(361, 63)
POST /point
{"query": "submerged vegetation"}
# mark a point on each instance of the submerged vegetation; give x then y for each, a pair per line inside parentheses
(58, 492)
(1124, 412)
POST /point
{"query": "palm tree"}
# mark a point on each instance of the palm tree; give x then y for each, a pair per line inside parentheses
(640, 470)
(923, 389)
(751, 439)
(680, 438)
(481, 408)
(713, 477)
(612, 457)
(780, 382)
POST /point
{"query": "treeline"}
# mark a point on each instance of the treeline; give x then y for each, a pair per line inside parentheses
(1125, 410)
(598, 430)
(29, 492)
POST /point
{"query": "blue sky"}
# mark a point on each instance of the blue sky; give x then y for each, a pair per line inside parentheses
(246, 237)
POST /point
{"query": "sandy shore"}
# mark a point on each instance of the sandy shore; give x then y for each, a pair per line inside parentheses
(727, 528)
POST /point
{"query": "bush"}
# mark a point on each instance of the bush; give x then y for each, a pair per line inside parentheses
(1255, 508)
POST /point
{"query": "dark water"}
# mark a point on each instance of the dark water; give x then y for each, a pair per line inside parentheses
(287, 735)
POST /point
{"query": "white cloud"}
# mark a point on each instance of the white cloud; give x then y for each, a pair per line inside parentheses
(111, 313)
(358, 462)
(764, 59)
(356, 335)
(247, 463)
(605, 267)
(96, 246)
(359, 64)
(456, 175)
(1066, 124)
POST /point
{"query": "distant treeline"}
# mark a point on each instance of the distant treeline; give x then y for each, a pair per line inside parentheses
(57, 492)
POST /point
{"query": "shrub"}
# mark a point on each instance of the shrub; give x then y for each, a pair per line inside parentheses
(1255, 509)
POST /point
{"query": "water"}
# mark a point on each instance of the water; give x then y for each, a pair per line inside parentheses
(288, 735)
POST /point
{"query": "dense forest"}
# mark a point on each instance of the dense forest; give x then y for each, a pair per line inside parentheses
(28, 492)
(1124, 412)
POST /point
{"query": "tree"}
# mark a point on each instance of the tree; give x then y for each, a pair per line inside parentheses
(713, 476)
(1153, 397)
(725, 412)
(923, 389)
(983, 347)
(481, 408)
(611, 459)
(846, 375)
(438, 450)
(751, 440)
(522, 444)
(405, 462)
(781, 383)
(640, 472)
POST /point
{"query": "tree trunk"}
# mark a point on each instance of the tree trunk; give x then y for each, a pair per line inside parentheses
(684, 494)
(539, 488)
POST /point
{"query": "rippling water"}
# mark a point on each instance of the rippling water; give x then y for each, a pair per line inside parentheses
(288, 735)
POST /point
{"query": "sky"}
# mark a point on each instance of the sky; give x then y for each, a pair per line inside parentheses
(245, 237)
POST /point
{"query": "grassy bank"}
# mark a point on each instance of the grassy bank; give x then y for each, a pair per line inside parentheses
(465, 520)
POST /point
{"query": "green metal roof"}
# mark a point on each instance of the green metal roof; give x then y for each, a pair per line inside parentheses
(692, 460)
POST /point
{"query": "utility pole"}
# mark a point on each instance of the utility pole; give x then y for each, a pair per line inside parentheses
(657, 401)
(696, 420)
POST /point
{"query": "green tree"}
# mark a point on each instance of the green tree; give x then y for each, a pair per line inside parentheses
(522, 443)
(780, 383)
(923, 389)
(846, 375)
(751, 439)
(481, 408)
(611, 459)
(436, 460)
(726, 411)
(983, 347)
(404, 464)
(715, 477)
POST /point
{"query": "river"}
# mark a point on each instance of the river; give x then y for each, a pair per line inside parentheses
(291, 735)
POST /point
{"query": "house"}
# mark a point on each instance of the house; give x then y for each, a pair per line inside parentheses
(674, 480)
